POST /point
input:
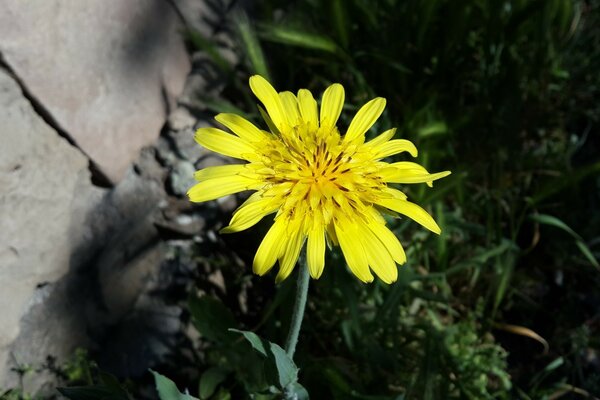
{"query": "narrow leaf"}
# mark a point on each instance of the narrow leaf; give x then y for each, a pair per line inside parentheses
(167, 390)
(298, 38)
(211, 318)
(287, 372)
(555, 222)
(210, 380)
(258, 344)
(252, 46)
(587, 253)
(286, 369)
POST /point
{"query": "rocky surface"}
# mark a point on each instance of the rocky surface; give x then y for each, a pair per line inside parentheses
(73, 257)
(42, 177)
(106, 71)
(82, 265)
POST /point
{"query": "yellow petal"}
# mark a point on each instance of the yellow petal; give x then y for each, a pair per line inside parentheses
(270, 248)
(412, 211)
(413, 176)
(290, 107)
(379, 258)
(394, 147)
(219, 171)
(331, 237)
(364, 119)
(315, 252)
(409, 172)
(290, 256)
(409, 165)
(222, 142)
(389, 240)
(394, 193)
(308, 108)
(241, 127)
(353, 251)
(211, 189)
(382, 138)
(331, 105)
(251, 212)
(270, 99)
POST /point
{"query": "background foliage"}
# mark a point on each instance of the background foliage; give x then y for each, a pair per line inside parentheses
(505, 303)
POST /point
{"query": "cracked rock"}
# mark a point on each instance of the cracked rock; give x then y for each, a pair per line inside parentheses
(106, 71)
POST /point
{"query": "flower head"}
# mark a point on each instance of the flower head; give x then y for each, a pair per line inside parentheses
(323, 186)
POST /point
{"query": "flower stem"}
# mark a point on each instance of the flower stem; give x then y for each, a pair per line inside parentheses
(299, 305)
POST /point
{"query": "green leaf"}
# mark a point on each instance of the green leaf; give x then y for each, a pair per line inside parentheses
(252, 46)
(587, 253)
(96, 392)
(298, 392)
(334, 378)
(340, 20)
(211, 318)
(167, 390)
(539, 377)
(433, 129)
(505, 266)
(265, 115)
(557, 185)
(210, 380)
(218, 105)
(208, 46)
(477, 261)
(286, 370)
(299, 38)
(111, 382)
(259, 344)
(557, 223)
(223, 395)
(346, 328)
(109, 388)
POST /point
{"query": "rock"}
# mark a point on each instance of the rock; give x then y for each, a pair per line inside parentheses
(180, 119)
(106, 71)
(180, 218)
(80, 265)
(203, 17)
(205, 83)
(148, 167)
(41, 176)
(113, 250)
(185, 145)
(142, 339)
(74, 258)
(181, 178)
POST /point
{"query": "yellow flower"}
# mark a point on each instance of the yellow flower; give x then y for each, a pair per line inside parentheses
(320, 184)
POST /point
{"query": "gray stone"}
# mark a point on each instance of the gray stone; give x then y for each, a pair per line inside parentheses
(106, 71)
(185, 145)
(78, 262)
(74, 258)
(180, 218)
(180, 119)
(181, 178)
(114, 253)
(205, 82)
(41, 178)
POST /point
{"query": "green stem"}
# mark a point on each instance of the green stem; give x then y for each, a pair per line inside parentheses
(299, 305)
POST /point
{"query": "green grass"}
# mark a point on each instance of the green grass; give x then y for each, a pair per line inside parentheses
(500, 92)
(504, 94)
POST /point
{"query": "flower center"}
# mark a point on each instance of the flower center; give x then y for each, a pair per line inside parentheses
(320, 172)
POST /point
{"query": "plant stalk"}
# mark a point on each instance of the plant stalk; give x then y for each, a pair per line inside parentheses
(299, 305)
